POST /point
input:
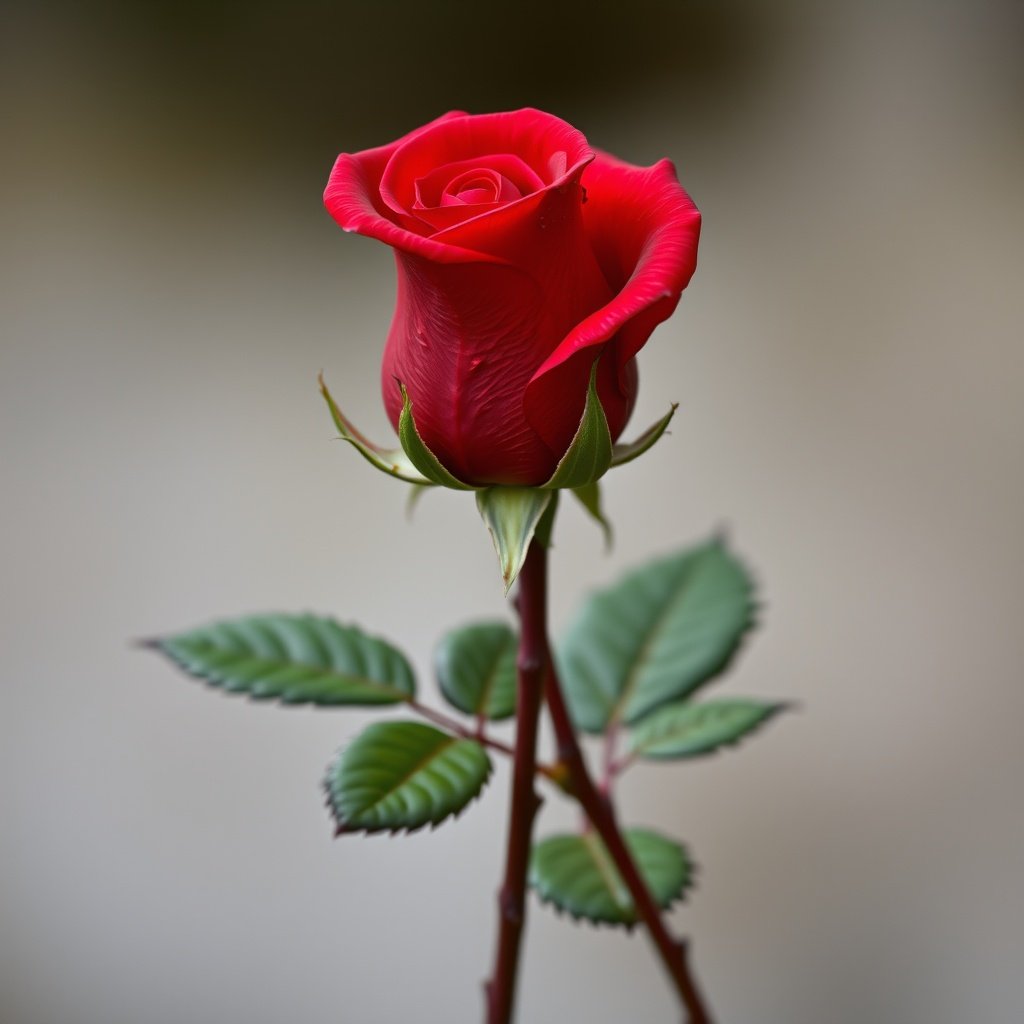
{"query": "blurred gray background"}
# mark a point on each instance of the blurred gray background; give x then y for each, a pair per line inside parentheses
(849, 365)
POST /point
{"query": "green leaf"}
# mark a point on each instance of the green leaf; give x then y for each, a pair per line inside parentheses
(590, 453)
(403, 775)
(419, 454)
(690, 730)
(392, 461)
(576, 874)
(623, 453)
(511, 514)
(655, 636)
(476, 668)
(296, 659)
(589, 496)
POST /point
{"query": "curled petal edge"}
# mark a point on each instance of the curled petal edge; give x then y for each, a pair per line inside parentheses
(349, 198)
(665, 263)
(354, 199)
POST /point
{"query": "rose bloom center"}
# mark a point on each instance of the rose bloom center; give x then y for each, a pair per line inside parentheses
(479, 186)
(487, 182)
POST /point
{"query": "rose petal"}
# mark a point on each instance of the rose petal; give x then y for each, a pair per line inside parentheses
(462, 342)
(352, 197)
(466, 340)
(506, 232)
(534, 136)
(643, 228)
(430, 189)
(438, 208)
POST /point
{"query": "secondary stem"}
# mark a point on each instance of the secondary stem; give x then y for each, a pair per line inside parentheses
(599, 809)
(453, 725)
(608, 765)
(531, 661)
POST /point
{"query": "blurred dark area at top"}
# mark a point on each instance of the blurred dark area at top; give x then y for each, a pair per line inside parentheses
(287, 82)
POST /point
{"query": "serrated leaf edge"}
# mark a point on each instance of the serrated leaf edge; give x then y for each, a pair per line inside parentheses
(618, 715)
(340, 828)
(158, 644)
(689, 886)
(776, 709)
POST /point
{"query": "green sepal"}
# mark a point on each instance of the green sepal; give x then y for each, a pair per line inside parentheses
(392, 461)
(399, 776)
(546, 526)
(655, 636)
(419, 454)
(576, 874)
(476, 669)
(590, 453)
(412, 502)
(623, 453)
(589, 496)
(512, 515)
(693, 730)
(295, 659)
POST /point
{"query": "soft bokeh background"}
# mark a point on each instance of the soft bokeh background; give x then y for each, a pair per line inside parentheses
(849, 366)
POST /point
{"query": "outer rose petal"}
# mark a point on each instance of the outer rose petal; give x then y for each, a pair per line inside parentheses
(353, 199)
(466, 339)
(643, 228)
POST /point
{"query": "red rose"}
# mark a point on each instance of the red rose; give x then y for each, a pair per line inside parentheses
(523, 255)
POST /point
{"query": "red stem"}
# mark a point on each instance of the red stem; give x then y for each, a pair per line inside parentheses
(599, 809)
(531, 661)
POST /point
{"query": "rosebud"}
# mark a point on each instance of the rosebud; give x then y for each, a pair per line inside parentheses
(524, 260)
